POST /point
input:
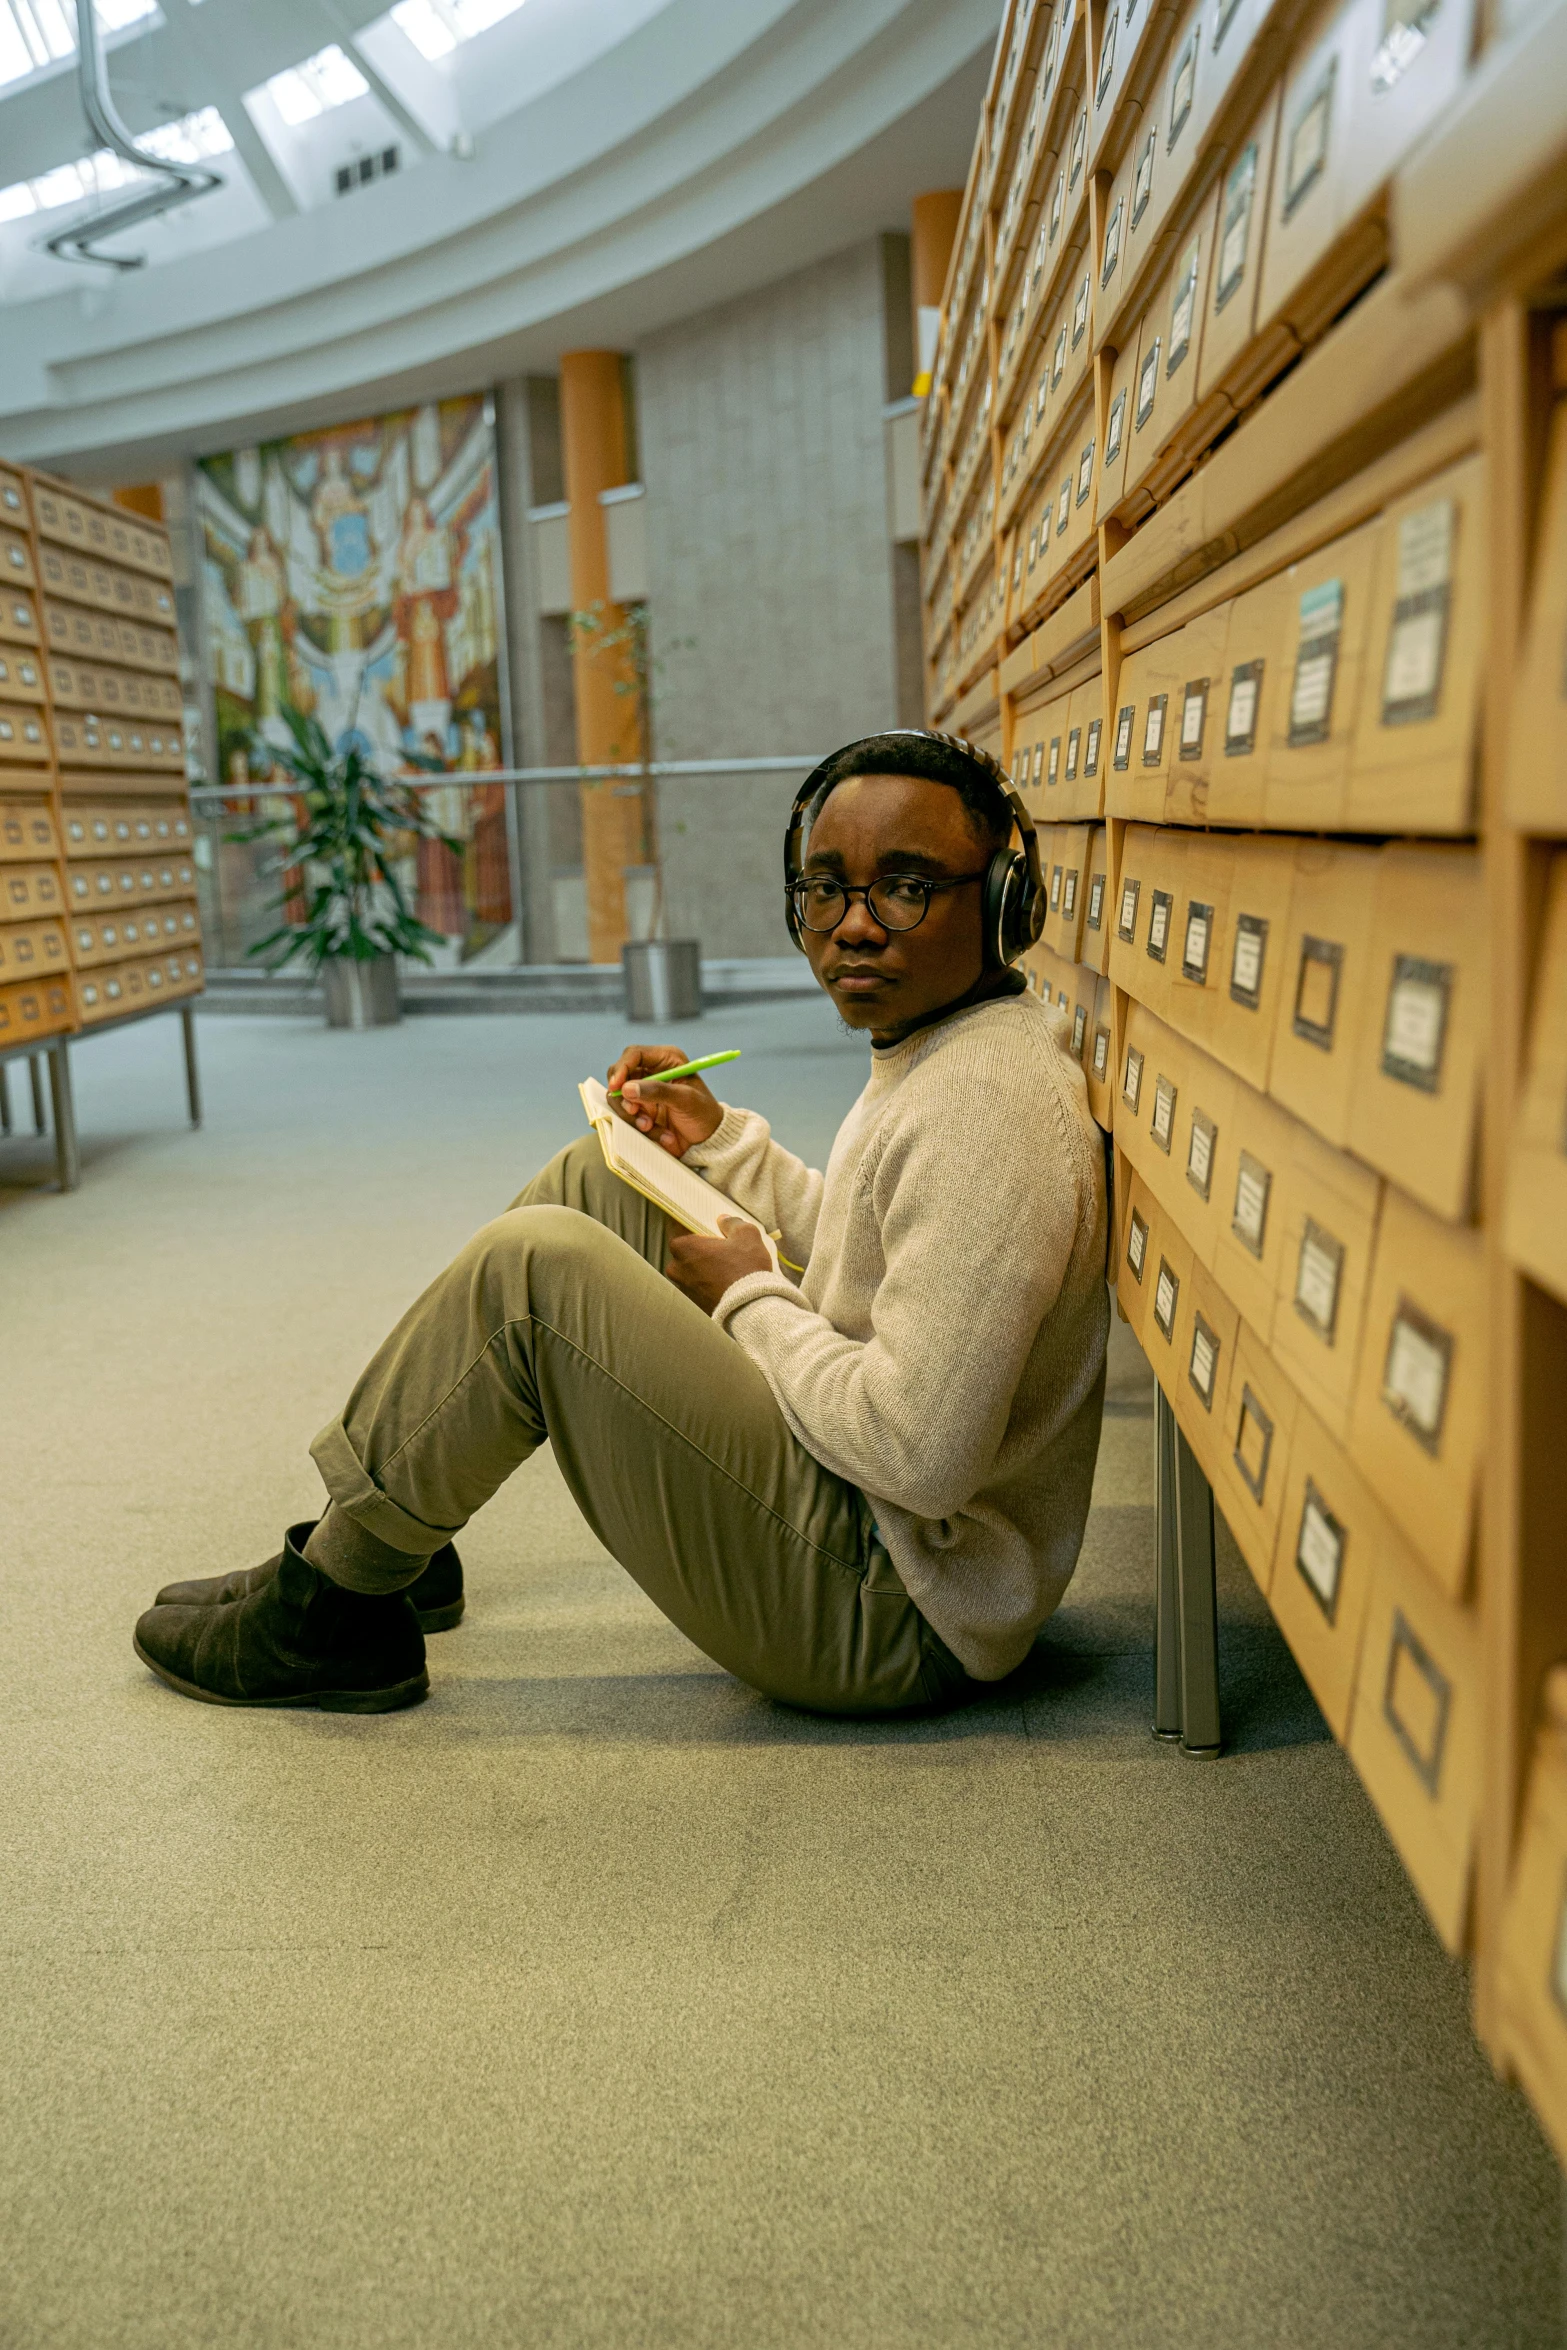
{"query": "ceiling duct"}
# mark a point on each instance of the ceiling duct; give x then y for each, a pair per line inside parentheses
(177, 182)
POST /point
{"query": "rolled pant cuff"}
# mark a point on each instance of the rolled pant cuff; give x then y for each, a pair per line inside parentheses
(354, 1490)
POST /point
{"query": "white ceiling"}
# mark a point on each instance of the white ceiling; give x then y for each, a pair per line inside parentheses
(577, 171)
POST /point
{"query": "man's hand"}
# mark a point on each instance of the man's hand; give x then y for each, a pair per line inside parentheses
(705, 1268)
(675, 1115)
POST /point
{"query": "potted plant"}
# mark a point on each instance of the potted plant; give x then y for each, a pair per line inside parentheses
(352, 915)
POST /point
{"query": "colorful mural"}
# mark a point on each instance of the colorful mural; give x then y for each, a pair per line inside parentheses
(355, 572)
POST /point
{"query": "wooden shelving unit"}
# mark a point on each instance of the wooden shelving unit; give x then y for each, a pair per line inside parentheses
(1258, 582)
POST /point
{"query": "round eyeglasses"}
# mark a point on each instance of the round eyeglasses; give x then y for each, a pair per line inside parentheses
(897, 901)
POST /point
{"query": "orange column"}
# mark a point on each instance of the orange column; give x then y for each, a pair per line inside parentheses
(935, 225)
(595, 445)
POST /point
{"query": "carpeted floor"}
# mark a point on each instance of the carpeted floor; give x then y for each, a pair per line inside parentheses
(597, 2001)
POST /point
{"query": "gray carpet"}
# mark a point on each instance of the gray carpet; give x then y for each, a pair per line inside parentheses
(597, 2001)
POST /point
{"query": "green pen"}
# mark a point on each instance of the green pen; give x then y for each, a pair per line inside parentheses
(686, 1069)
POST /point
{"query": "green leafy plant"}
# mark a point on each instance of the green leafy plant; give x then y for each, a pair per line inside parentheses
(355, 826)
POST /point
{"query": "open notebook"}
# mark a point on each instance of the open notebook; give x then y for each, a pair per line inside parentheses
(671, 1185)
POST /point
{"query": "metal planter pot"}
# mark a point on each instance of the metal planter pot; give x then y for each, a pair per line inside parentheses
(663, 979)
(362, 994)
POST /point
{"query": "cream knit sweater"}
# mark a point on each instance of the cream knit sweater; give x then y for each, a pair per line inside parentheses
(945, 1351)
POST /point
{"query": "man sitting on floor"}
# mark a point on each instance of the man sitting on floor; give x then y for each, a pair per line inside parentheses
(862, 1492)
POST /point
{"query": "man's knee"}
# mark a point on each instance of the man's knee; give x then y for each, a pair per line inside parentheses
(541, 1250)
(567, 1180)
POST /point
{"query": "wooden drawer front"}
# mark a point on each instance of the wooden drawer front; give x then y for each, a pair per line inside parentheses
(1534, 1926)
(114, 693)
(101, 636)
(24, 735)
(134, 987)
(140, 931)
(26, 890)
(16, 560)
(82, 579)
(26, 832)
(32, 950)
(78, 522)
(18, 617)
(86, 739)
(21, 676)
(93, 831)
(34, 1007)
(131, 881)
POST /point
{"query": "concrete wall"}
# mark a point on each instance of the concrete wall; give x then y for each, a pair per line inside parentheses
(771, 589)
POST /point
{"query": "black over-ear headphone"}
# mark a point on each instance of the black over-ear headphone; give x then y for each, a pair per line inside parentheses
(1014, 909)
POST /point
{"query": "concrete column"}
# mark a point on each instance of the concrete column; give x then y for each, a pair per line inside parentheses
(522, 461)
(596, 442)
(935, 225)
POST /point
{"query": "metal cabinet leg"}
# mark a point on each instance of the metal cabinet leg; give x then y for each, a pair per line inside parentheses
(38, 1093)
(5, 1099)
(192, 1068)
(1199, 1604)
(67, 1157)
(1167, 1615)
(1186, 1617)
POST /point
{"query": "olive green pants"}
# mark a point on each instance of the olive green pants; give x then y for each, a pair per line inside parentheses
(556, 1323)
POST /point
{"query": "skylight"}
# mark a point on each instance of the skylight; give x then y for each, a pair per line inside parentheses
(436, 26)
(326, 80)
(36, 33)
(187, 141)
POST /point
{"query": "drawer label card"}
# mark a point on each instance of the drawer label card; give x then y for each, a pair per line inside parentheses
(1199, 935)
(1148, 374)
(1194, 717)
(1184, 308)
(1126, 927)
(1056, 203)
(1074, 743)
(1316, 991)
(1085, 471)
(1159, 924)
(1251, 942)
(1132, 1079)
(1153, 730)
(1416, 1702)
(1316, 664)
(1142, 184)
(1199, 1153)
(1235, 228)
(1113, 428)
(1057, 365)
(1091, 747)
(1079, 1025)
(1182, 83)
(1417, 638)
(1069, 893)
(1096, 902)
(1203, 1368)
(1106, 58)
(1055, 890)
(1319, 1551)
(1415, 1028)
(1415, 1375)
(1080, 310)
(1167, 1291)
(1317, 1279)
(1101, 1052)
(1253, 1444)
(1053, 767)
(1121, 757)
(1240, 720)
(1164, 1094)
(1308, 142)
(1137, 1244)
(1253, 1184)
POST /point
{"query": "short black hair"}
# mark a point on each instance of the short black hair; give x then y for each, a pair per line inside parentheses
(936, 758)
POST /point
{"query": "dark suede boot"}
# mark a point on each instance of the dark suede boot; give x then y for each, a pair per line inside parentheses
(296, 1639)
(437, 1596)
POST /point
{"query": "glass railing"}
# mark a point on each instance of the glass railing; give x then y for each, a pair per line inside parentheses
(516, 891)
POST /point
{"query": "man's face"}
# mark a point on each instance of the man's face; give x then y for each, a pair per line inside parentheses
(875, 825)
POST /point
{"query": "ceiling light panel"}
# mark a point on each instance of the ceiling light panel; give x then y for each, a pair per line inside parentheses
(326, 80)
(36, 33)
(435, 27)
